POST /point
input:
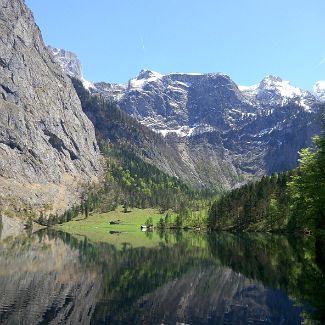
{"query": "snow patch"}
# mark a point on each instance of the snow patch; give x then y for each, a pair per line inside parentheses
(286, 90)
(186, 131)
(276, 84)
(184, 84)
(183, 131)
(248, 88)
(144, 77)
(87, 84)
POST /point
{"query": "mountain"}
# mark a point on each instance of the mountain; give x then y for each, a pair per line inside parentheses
(226, 133)
(220, 135)
(319, 90)
(189, 299)
(48, 147)
(49, 283)
(70, 64)
(182, 159)
(182, 104)
(273, 91)
(186, 104)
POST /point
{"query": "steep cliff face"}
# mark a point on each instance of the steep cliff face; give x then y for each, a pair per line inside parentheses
(319, 90)
(47, 144)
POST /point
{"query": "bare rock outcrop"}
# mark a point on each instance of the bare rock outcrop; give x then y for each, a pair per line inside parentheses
(48, 148)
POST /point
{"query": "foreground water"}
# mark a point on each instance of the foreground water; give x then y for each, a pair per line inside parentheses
(53, 277)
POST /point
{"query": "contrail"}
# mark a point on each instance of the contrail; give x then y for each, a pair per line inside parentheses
(321, 62)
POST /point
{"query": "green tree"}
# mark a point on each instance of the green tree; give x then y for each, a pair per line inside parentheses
(307, 188)
(149, 222)
(161, 224)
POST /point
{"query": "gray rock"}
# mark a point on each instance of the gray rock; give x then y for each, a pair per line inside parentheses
(319, 90)
(47, 144)
(214, 133)
(222, 134)
(10, 227)
(70, 65)
(68, 62)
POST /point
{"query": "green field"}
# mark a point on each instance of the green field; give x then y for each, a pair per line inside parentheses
(98, 229)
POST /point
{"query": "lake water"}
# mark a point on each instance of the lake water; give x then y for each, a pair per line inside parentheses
(178, 278)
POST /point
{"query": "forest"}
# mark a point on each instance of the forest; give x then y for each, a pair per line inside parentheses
(292, 201)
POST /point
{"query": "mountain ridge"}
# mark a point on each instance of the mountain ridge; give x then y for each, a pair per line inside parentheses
(222, 135)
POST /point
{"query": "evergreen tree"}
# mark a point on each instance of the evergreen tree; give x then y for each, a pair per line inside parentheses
(308, 188)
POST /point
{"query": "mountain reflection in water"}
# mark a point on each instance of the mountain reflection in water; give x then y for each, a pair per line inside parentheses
(53, 277)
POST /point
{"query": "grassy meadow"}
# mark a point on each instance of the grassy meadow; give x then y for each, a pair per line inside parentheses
(97, 227)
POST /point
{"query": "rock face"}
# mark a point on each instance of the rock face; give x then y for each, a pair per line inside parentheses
(182, 104)
(10, 227)
(319, 90)
(68, 61)
(224, 134)
(47, 144)
(274, 92)
(219, 134)
(70, 64)
(187, 104)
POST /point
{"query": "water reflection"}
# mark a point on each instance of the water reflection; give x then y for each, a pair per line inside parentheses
(187, 278)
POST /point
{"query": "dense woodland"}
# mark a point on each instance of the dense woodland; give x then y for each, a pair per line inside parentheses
(290, 201)
(255, 206)
(140, 184)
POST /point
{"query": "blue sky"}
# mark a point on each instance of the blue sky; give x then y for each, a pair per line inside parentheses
(246, 39)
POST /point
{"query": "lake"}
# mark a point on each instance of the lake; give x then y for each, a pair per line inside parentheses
(52, 277)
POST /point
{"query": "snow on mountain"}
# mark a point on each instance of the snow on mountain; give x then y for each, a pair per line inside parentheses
(251, 89)
(180, 103)
(145, 76)
(187, 104)
(217, 129)
(284, 88)
(319, 90)
(70, 64)
(273, 91)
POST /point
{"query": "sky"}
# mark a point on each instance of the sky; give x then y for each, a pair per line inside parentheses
(245, 39)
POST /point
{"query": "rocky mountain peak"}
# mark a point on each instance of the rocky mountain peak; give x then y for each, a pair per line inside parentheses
(319, 90)
(70, 64)
(273, 91)
(270, 79)
(68, 61)
(219, 133)
(282, 87)
(147, 74)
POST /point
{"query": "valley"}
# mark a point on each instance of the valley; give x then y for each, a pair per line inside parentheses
(172, 198)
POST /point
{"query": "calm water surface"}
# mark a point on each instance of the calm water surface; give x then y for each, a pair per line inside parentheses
(182, 278)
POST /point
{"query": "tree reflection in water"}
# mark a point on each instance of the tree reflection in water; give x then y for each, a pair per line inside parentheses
(190, 278)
